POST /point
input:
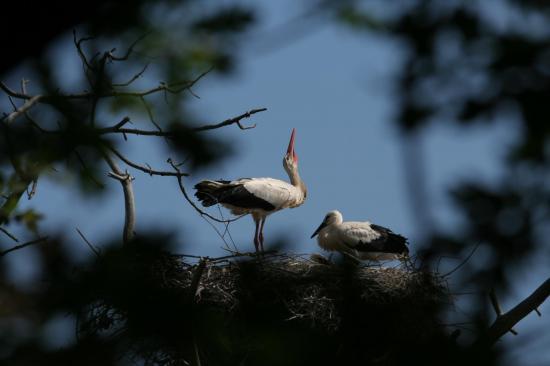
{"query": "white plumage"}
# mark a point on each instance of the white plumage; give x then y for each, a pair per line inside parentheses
(363, 240)
(259, 197)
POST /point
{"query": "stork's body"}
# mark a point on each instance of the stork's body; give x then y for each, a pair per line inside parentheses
(360, 239)
(258, 197)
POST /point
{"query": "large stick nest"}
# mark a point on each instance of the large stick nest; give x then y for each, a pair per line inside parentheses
(313, 290)
(240, 306)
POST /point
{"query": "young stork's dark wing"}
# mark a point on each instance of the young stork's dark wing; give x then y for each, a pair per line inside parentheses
(387, 242)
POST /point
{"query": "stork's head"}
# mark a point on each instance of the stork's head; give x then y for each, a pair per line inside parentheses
(290, 161)
(331, 218)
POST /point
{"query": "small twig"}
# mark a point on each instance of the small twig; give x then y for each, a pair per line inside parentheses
(234, 120)
(8, 234)
(494, 302)
(146, 169)
(129, 50)
(86, 170)
(462, 263)
(90, 245)
(32, 192)
(184, 192)
(134, 78)
(496, 306)
(78, 46)
(17, 247)
(150, 114)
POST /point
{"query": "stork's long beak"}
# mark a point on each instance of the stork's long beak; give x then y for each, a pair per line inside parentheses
(321, 227)
(290, 150)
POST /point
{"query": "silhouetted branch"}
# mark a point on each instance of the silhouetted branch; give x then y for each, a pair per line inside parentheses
(134, 78)
(496, 306)
(90, 245)
(188, 199)
(129, 50)
(8, 234)
(20, 246)
(506, 321)
(24, 108)
(234, 120)
(125, 180)
(132, 131)
(78, 46)
(461, 263)
(147, 169)
(173, 88)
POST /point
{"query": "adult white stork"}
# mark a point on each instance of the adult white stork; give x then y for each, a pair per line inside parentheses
(259, 197)
(360, 239)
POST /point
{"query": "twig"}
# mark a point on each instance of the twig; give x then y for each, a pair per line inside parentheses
(24, 108)
(496, 306)
(506, 321)
(172, 88)
(32, 192)
(10, 235)
(134, 78)
(92, 247)
(461, 263)
(184, 192)
(77, 44)
(132, 131)
(129, 50)
(129, 205)
(150, 113)
(234, 120)
(146, 169)
(20, 246)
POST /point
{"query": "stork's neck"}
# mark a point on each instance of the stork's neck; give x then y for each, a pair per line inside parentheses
(296, 180)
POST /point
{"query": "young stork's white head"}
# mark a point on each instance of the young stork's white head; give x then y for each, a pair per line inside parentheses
(331, 218)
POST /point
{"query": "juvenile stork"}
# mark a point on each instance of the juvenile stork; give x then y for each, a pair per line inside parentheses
(258, 197)
(360, 239)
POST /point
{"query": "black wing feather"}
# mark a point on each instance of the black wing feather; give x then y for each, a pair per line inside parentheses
(388, 242)
(233, 194)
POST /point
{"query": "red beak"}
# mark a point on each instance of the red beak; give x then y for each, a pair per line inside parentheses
(290, 150)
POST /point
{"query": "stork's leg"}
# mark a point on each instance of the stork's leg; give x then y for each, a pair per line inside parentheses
(257, 235)
(261, 236)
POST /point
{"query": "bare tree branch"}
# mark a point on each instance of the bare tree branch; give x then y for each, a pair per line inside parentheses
(129, 50)
(90, 245)
(496, 306)
(132, 131)
(20, 246)
(188, 199)
(24, 108)
(125, 180)
(145, 169)
(9, 235)
(506, 321)
(461, 263)
(134, 78)
(173, 88)
(234, 120)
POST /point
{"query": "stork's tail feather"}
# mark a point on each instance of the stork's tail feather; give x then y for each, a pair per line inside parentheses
(397, 244)
(208, 191)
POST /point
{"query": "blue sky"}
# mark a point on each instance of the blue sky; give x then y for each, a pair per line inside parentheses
(334, 87)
